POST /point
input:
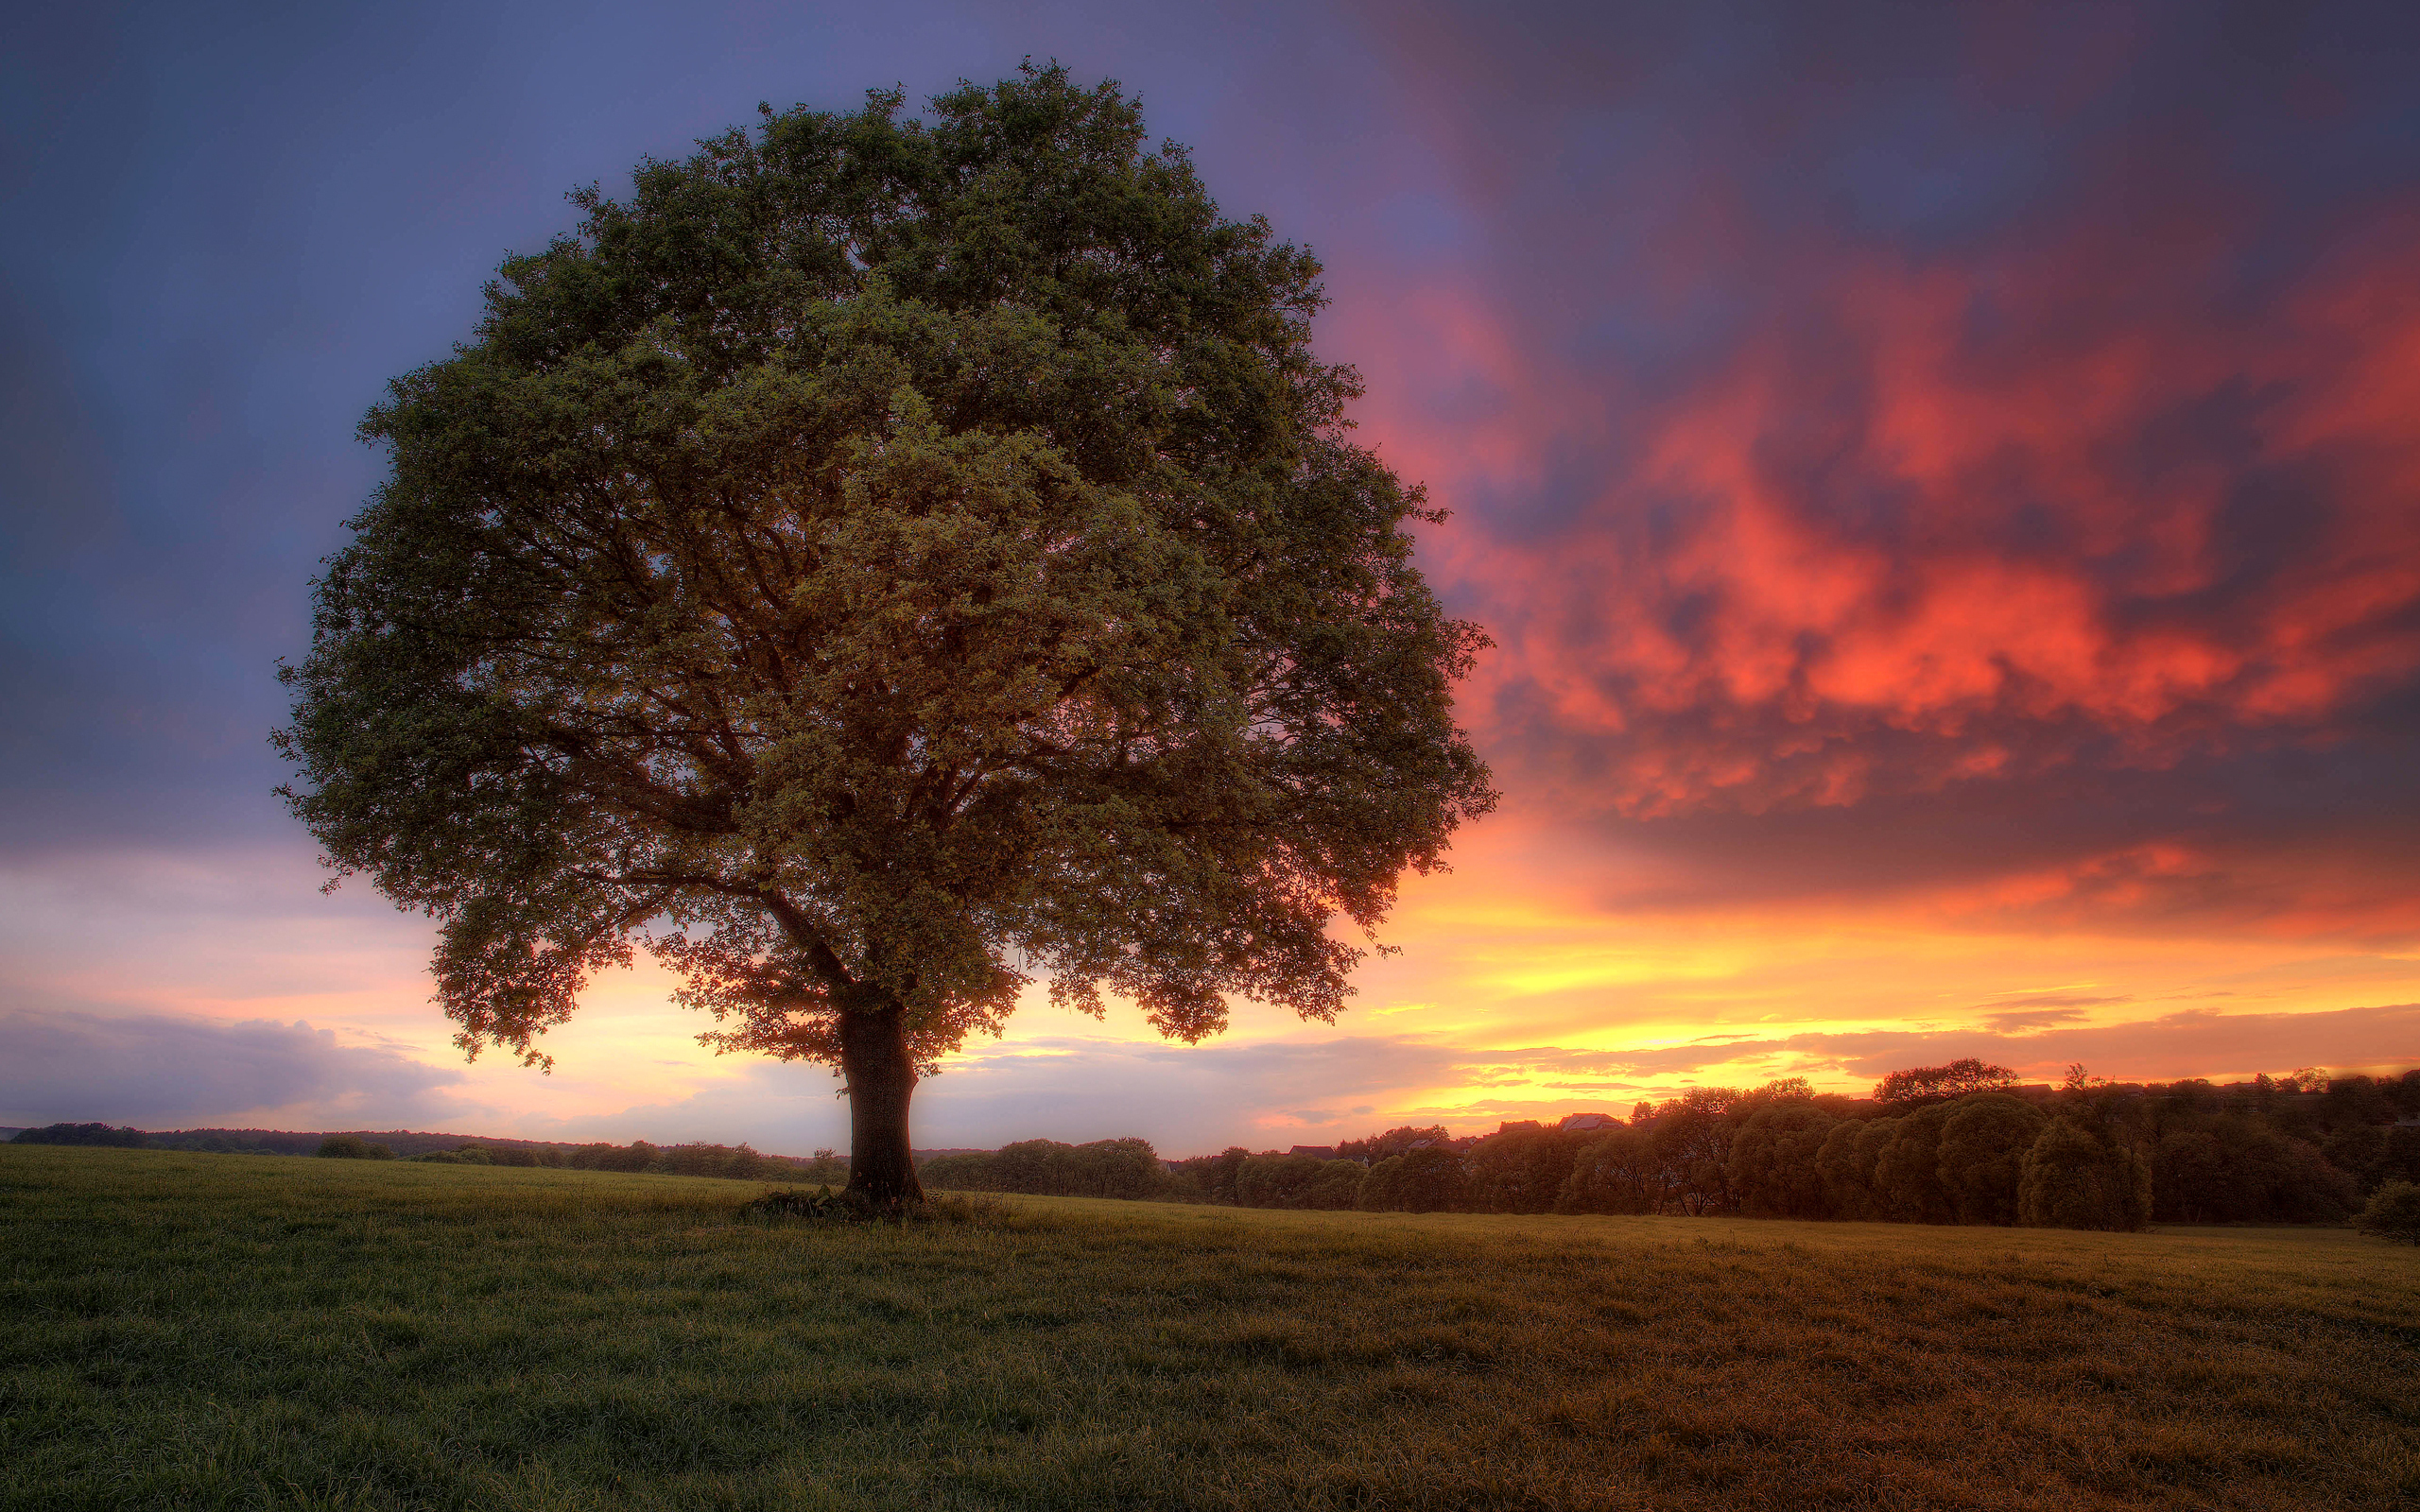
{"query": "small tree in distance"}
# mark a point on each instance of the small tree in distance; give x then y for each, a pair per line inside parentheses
(878, 566)
(1939, 1084)
(2392, 1213)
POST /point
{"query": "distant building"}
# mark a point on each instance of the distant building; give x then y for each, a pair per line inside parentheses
(1580, 1123)
(1520, 1125)
(1317, 1152)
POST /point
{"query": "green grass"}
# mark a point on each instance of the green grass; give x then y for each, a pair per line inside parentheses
(195, 1331)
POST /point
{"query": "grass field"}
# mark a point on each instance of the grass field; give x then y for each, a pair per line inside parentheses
(192, 1331)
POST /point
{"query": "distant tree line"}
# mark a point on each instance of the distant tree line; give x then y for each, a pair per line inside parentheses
(732, 1161)
(1106, 1168)
(1959, 1143)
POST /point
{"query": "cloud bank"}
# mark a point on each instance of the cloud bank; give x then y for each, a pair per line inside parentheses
(183, 1071)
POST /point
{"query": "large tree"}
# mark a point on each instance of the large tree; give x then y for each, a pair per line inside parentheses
(880, 564)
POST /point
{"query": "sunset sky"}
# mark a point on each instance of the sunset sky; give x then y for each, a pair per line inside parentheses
(1944, 483)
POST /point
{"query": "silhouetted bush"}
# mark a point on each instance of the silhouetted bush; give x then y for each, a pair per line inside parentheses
(353, 1147)
(2394, 1213)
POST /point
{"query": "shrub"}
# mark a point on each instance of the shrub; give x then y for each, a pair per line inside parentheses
(827, 1206)
(353, 1147)
(2394, 1213)
(824, 1168)
(2074, 1179)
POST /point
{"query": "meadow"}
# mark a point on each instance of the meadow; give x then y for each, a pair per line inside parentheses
(207, 1331)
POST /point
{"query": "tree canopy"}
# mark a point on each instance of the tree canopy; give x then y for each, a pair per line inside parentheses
(1934, 1083)
(881, 563)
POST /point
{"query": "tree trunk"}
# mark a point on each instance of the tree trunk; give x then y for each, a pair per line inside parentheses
(881, 1078)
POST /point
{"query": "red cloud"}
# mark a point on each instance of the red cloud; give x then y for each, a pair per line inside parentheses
(1939, 524)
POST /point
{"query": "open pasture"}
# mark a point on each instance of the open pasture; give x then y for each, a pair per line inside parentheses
(193, 1331)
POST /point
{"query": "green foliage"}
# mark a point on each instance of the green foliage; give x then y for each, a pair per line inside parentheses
(1846, 1163)
(353, 1147)
(459, 1155)
(1519, 1170)
(1907, 1170)
(966, 1171)
(1379, 1191)
(1774, 1161)
(1982, 1158)
(191, 1331)
(2078, 1178)
(728, 1162)
(824, 1167)
(101, 1134)
(1278, 1181)
(1393, 1142)
(907, 556)
(1127, 1168)
(1620, 1171)
(638, 1156)
(1336, 1189)
(1425, 1179)
(823, 1205)
(2394, 1213)
(2230, 1168)
(1873, 1139)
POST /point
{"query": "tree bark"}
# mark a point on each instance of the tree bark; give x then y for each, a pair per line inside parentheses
(881, 1078)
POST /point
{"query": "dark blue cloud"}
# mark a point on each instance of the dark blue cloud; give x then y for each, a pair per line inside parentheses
(179, 1070)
